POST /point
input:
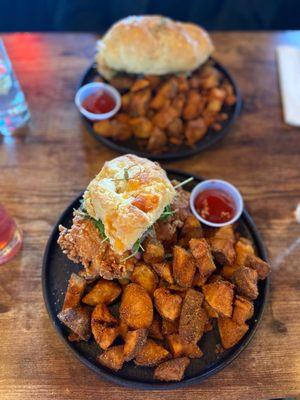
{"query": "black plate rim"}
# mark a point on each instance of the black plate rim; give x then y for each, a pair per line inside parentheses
(101, 372)
(168, 156)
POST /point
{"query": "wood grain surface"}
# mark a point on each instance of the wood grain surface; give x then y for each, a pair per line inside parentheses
(41, 172)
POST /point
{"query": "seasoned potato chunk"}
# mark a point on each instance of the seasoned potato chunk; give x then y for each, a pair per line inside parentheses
(231, 332)
(193, 317)
(172, 370)
(78, 320)
(169, 327)
(183, 267)
(103, 292)
(222, 245)
(151, 354)
(75, 290)
(134, 341)
(145, 277)
(168, 305)
(245, 280)
(104, 335)
(261, 267)
(202, 254)
(112, 358)
(199, 280)
(243, 248)
(101, 313)
(154, 251)
(181, 348)
(219, 295)
(164, 270)
(243, 310)
(123, 329)
(191, 230)
(136, 308)
(228, 270)
(155, 331)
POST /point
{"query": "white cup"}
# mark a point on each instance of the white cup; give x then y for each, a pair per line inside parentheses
(96, 87)
(217, 184)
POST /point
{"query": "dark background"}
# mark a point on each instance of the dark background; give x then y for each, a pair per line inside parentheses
(98, 15)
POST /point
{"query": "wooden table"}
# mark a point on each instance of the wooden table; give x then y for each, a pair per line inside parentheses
(42, 172)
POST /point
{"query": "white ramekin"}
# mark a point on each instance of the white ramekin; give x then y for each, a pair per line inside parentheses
(221, 185)
(94, 87)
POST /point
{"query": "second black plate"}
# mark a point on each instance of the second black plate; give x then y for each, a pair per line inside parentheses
(175, 153)
(57, 269)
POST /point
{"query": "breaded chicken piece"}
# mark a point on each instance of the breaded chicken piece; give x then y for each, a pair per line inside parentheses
(82, 243)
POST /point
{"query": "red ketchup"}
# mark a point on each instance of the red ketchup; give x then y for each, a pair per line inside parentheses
(215, 205)
(99, 103)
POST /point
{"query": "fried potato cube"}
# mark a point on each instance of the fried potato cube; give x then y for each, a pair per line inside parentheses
(222, 245)
(112, 358)
(123, 329)
(183, 267)
(139, 102)
(157, 140)
(141, 127)
(261, 267)
(155, 329)
(78, 320)
(245, 280)
(164, 117)
(243, 248)
(151, 354)
(168, 90)
(134, 341)
(228, 270)
(104, 128)
(101, 313)
(195, 130)
(75, 290)
(122, 82)
(121, 130)
(211, 312)
(178, 103)
(191, 230)
(169, 327)
(154, 251)
(219, 295)
(168, 305)
(183, 83)
(181, 348)
(136, 308)
(194, 105)
(231, 332)
(243, 310)
(139, 84)
(164, 270)
(172, 370)
(145, 277)
(193, 317)
(102, 292)
(104, 335)
(201, 252)
(199, 280)
(175, 131)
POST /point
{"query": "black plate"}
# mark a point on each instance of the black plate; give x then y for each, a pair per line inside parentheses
(57, 269)
(175, 153)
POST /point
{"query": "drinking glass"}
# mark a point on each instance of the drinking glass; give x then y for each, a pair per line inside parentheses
(14, 113)
(10, 236)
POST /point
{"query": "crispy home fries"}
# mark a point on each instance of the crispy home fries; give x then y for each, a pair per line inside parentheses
(171, 92)
(154, 280)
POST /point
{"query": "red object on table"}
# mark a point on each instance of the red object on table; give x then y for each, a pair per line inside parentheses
(99, 103)
(215, 205)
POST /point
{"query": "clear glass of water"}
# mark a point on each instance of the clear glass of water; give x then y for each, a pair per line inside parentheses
(14, 113)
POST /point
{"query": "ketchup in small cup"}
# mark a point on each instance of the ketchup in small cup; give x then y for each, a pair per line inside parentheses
(98, 101)
(216, 203)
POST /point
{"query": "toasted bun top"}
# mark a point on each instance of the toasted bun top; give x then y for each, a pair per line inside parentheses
(128, 195)
(152, 45)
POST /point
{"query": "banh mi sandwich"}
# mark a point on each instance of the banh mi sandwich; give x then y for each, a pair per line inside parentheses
(172, 93)
(130, 202)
